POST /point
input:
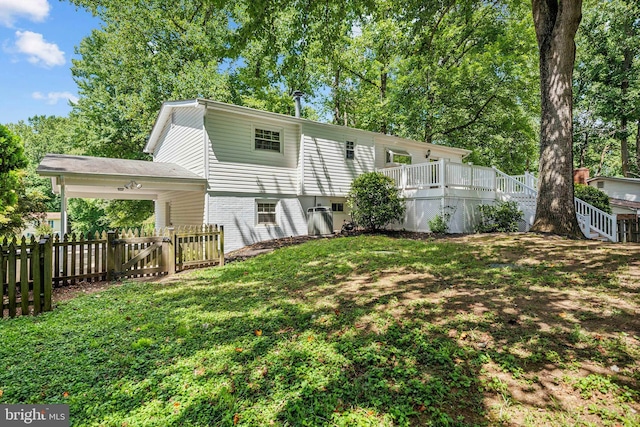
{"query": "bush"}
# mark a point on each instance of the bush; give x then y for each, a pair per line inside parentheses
(439, 224)
(375, 201)
(593, 196)
(499, 218)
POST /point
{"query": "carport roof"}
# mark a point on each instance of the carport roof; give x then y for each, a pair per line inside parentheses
(65, 164)
(108, 178)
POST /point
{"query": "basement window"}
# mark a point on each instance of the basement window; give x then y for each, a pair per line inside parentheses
(266, 212)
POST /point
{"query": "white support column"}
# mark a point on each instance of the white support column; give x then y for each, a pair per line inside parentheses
(63, 208)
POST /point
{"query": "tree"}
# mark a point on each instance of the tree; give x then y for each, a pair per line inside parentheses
(375, 201)
(608, 83)
(42, 135)
(16, 204)
(556, 23)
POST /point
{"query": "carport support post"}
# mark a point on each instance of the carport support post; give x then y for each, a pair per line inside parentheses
(63, 208)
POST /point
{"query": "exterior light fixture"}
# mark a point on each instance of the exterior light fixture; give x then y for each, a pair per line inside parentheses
(132, 185)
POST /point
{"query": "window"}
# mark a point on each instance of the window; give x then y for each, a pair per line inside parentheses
(51, 223)
(337, 207)
(350, 150)
(269, 140)
(398, 156)
(600, 184)
(266, 212)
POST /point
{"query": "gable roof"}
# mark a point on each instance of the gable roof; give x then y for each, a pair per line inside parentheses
(168, 107)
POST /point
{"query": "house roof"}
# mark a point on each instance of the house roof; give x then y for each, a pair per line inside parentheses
(168, 107)
(100, 177)
(614, 178)
(624, 203)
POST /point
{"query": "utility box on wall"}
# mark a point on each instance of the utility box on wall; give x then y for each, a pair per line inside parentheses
(319, 221)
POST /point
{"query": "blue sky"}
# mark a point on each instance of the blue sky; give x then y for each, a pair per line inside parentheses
(37, 41)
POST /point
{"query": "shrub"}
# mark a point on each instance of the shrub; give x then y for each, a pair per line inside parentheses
(439, 224)
(501, 217)
(593, 196)
(375, 201)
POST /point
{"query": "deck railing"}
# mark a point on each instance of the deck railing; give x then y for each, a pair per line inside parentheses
(443, 174)
(589, 217)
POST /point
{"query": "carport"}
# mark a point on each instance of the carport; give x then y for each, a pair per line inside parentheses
(108, 178)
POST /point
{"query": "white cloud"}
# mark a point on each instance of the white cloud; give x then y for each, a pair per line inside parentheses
(34, 10)
(52, 98)
(40, 51)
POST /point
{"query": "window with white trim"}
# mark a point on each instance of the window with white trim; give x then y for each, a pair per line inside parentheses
(266, 211)
(337, 207)
(350, 150)
(398, 157)
(268, 140)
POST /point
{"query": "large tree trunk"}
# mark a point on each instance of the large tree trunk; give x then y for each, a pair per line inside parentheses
(556, 23)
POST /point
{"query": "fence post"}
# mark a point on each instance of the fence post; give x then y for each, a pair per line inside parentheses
(443, 174)
(169, 252)
(47, 272)
(111, 255)
(221, 239)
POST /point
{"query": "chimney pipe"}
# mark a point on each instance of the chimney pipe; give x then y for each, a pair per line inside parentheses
(296, 98)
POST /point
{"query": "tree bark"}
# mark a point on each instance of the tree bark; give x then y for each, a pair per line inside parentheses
(556, 23)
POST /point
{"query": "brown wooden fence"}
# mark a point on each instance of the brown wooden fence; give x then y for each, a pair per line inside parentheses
(629, 229)
(29, 269)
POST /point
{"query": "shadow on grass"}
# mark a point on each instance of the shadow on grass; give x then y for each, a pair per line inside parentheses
(358, 331)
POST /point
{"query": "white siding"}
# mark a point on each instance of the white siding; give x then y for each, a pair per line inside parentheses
(326, 170)
(236, 166)
(187, 208)
(182, 140)
(417, 150)
(239, 217)
(620, 190)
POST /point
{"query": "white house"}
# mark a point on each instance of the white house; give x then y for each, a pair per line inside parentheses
(624, 193)
(257, 173)
(52, 219)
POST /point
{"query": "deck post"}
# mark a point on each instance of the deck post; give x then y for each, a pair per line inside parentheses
(443, 175)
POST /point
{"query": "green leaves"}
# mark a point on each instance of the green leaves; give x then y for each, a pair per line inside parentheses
(375, 201)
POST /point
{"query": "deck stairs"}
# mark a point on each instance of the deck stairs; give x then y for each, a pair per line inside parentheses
(595, 223)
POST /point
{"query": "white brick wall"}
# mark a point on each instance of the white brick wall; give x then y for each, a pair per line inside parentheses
(238, 216)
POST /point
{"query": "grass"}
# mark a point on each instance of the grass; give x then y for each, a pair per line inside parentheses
(365, 330)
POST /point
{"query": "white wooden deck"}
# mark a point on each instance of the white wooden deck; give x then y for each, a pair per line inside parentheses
(447, 179)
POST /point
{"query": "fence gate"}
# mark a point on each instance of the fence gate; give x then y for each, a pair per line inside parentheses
(132, 255)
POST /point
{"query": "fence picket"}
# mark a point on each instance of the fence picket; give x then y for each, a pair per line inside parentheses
(30, 269)
(11, 291)
(24, 277)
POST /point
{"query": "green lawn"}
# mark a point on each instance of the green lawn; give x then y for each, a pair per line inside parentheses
(365, 330)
